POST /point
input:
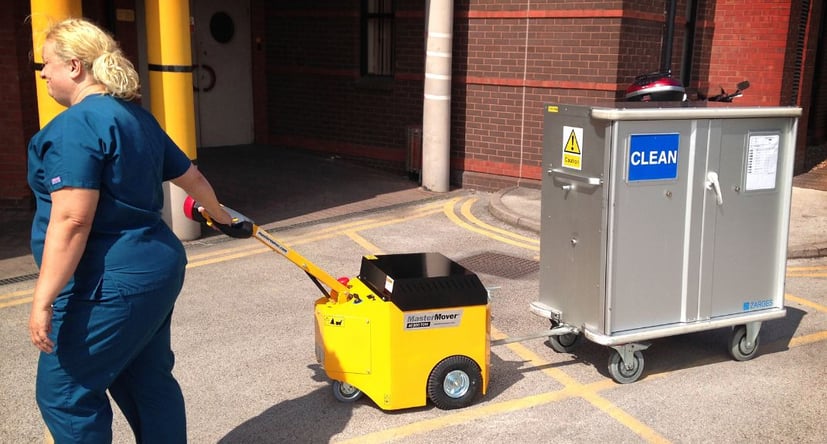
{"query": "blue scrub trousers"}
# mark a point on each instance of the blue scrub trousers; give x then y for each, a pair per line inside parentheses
(117, 342)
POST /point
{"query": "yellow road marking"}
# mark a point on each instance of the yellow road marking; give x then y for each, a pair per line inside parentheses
(807, 275)
(807, 268)
(591, 396)
(571, 388)
(813, 271)
(466, 211)
(25, 300)
(364, 243)
(808, 339)
(319, 234)
(805, 302)
(228, 254)
(12, 298)
(15, 294)
(448, 209)
(291, 241)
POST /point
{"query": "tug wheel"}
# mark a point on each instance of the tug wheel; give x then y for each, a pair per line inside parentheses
(345, 392)
(454, 382)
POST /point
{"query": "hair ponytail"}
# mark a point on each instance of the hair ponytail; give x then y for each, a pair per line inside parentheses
(117, 74)
(99, 53)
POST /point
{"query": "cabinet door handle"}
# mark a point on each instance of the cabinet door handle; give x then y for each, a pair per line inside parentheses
(713, 184)
(572, 180)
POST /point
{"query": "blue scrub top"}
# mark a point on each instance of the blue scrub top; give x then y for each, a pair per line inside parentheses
(118, 148)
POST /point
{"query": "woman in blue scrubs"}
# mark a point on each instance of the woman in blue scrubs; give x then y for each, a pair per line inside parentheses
(110, 268)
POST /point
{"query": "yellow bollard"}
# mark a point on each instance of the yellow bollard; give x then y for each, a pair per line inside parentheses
(169, 54)
(44, 14)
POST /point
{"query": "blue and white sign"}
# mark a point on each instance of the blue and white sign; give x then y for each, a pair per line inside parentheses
(653, 157)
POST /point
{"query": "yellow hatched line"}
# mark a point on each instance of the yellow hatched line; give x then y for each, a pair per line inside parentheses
(364, 243)
(592, 396)
(571, 388)
(805, 302)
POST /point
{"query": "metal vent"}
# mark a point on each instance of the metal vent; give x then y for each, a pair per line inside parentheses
(502, 265)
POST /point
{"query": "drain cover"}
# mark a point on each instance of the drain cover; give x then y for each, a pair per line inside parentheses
(18, 279)
(498, 264)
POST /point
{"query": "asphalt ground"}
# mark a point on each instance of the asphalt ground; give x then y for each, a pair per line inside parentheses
(243, 337)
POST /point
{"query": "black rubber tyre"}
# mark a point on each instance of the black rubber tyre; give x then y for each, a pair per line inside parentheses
(454, 383)
(738, 345)
(620, 373)
(345, 392)
(564, 343)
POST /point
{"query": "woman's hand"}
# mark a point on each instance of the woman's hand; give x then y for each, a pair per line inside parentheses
(40, 325)
(220, 216)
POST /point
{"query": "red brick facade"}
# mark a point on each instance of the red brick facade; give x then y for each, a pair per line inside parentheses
(509, 57)
(18, 108)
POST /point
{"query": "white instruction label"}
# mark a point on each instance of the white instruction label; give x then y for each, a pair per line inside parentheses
(762, 162)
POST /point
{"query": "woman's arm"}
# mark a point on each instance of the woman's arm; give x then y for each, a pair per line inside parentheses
(70, 221)
(196, 185)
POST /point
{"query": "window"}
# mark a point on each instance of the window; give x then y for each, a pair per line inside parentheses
(377, 37)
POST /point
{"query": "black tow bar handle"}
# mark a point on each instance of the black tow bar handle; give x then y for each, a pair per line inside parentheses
(240, 228)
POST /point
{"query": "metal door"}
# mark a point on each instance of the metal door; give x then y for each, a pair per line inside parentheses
(746, 220)
(223, 72)
(573, 216)
(649, 223)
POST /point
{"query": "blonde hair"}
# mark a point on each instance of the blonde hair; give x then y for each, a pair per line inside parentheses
(99, 53)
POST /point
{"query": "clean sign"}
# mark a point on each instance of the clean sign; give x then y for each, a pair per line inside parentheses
(653, 157)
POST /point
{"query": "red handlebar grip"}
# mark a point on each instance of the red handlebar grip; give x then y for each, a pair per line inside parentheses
(191, 210)
(241, 227)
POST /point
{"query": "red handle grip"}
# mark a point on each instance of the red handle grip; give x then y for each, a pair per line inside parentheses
(241, 227)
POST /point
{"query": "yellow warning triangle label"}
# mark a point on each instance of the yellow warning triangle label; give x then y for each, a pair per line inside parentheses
(572, 146)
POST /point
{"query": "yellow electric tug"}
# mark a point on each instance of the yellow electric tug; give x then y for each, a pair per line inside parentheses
(408, 329)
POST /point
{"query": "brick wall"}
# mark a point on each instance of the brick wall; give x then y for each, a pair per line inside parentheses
(320, 101)
(17, 109)
(817, 128)
(509, 60)
(750, 42)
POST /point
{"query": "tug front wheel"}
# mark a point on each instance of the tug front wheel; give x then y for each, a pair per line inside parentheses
(454, 382)
(345, 392)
